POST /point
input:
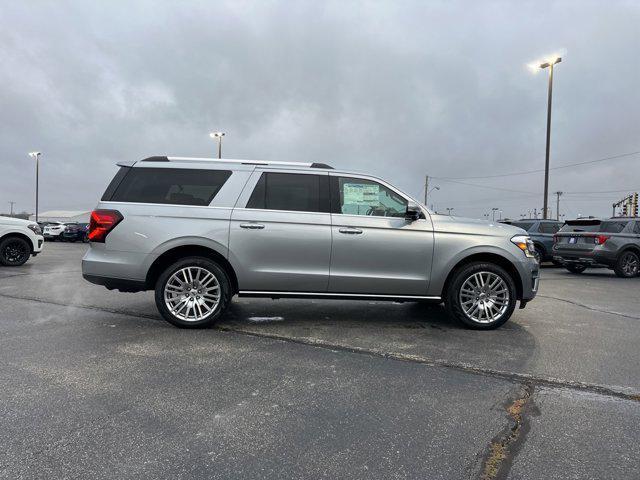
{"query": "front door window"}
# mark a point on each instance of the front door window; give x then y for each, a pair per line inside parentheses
(357, 196)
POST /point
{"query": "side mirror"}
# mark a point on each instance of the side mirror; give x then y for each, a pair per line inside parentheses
(413, 213)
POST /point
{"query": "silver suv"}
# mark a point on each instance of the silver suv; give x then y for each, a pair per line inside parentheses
(199, 231)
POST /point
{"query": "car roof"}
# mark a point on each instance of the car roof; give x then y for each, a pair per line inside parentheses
(195, 162)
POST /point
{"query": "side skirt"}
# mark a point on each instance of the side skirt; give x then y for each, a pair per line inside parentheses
(335, 296)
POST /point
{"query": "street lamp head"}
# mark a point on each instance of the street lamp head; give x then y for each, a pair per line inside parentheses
(552, 61)
(34, 154)
(216, 134)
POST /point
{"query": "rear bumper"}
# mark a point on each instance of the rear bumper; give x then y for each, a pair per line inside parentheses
(116, 283)
(108, 267)
(595, 258)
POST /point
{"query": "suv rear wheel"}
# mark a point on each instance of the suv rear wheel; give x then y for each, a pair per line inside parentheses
(481, 296)
(193, 292)
(14, 251)
(627, 265)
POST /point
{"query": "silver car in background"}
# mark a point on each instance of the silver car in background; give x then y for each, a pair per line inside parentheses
(199, 231)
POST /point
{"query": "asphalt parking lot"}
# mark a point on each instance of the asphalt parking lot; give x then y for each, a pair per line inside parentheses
(96, 385)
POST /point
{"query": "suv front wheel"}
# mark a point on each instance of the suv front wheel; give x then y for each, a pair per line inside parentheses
(481, 296)
(14, 251)
(193, 292)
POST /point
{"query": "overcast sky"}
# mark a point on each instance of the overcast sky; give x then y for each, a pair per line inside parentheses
(399, 89)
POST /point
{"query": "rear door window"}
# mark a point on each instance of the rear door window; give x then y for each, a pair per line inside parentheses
(176, 186)
(291, 192)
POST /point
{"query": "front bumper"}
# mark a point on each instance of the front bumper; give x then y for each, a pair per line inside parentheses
(38, 244)
(529, 271)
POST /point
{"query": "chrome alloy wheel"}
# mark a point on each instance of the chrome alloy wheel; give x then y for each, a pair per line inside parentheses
(630, 264)
(192, 294)
(484, 297)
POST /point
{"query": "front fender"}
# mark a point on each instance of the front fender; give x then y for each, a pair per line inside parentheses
(445, 259)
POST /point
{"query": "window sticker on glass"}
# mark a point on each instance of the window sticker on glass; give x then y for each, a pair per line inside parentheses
(360, 194)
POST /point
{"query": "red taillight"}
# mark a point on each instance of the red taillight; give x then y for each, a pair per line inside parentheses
(102, 222)
(600, 239)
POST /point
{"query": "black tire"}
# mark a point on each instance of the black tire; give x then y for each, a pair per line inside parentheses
(453, 302)
(14, 251)
(575, 268)
(219, 275)
(627, 265)
(539, 254)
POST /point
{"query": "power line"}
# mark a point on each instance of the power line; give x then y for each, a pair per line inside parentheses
(604, 191)
(486, 186)
(614, 157)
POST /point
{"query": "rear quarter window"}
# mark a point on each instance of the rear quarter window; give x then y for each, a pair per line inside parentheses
(613, 227)
(174, 186)
(523, 225)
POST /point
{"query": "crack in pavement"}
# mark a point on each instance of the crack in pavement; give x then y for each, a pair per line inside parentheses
(589, 307)
(505, 446)
(522, 378)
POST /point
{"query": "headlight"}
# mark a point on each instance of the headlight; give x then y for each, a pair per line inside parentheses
(524, 243)
(35, 228)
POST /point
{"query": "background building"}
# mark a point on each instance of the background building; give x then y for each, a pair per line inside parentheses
(79, 216)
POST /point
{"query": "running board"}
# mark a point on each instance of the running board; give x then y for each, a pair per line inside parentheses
(335, 296)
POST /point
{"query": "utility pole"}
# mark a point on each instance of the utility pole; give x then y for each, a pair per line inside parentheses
(558, 193)
(426, 189)
(12, 204)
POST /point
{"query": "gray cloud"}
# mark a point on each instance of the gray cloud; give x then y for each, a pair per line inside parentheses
(400, 89)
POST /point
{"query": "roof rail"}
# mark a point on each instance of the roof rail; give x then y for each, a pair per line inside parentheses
(243, 162)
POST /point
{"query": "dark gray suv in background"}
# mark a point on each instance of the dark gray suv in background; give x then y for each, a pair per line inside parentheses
(542, 235)
(199, 231)
(590, 242)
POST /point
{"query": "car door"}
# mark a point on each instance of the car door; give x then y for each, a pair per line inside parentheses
(376, 250)
(280, 232)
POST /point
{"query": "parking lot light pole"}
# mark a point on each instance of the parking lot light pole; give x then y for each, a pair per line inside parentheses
(219, 136)
(36, 157)
(549, 64)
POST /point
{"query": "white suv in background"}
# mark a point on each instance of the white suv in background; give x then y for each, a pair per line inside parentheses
(54, 230)
(19, 239)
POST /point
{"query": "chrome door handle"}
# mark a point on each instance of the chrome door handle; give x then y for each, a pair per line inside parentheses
(252, 226)
(350, 231)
